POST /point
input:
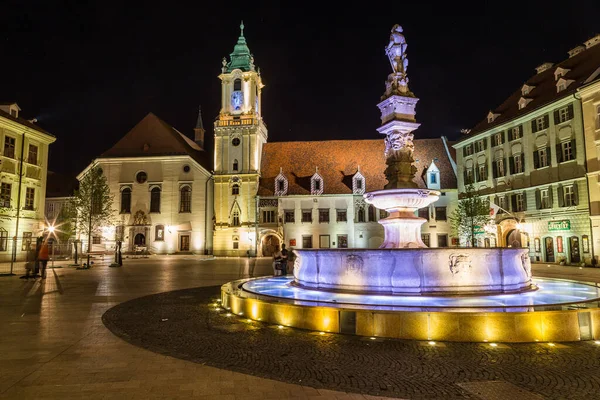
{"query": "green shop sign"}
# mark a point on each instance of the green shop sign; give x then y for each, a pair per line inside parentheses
(478, 230)
(562, 225)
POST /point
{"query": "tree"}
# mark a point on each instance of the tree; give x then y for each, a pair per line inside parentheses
(93, 205)
(471, 215)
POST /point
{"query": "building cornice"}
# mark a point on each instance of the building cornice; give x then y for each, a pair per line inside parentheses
(18, 128)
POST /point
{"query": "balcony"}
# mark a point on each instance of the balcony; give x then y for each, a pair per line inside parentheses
(33, 172)
(9, 166)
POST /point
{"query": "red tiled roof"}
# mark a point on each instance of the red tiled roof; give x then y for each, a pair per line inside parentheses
(154, 137)
(581, 67)
(339, 160)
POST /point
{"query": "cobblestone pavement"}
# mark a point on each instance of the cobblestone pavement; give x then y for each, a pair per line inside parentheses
(185, 324)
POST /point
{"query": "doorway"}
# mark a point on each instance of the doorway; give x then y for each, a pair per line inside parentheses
(513, 239)
(184, 243)
(269, 243)
(139, 240)
(549, 247)
(574, 249)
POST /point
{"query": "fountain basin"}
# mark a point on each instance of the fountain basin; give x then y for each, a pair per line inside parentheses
(432, 271)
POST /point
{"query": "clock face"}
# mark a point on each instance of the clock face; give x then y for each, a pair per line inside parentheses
(237, 98)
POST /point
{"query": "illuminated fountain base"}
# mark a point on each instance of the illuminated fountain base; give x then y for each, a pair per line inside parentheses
(559, 311)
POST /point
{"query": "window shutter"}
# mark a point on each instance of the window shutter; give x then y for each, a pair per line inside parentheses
(561, 196)
(513, 202)
(504, 163)
(502, 136)
(486, 170)
(485, 141)
(520, 130)
(465, 151)
(524, 201)
(548, 156)
(559, 153)
(536, 159)
(494, 169)
(556, 118)
(538, 199)
(573, 149)
(533, 126)
(465, 177)
(575, 194)
(477, 174)
(546, 121)
(550, 197)
(510, 135)
(511, 164)
(570, 111)
(522, 162)
(493, 140)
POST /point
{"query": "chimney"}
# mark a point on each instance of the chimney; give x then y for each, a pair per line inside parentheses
(199, 130)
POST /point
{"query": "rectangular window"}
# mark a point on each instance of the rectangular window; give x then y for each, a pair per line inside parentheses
(569, 196)
(559, 244)
(307, 242)
(502, 204)
(424, 213)
(500, 167)
(235, 221)
(598, 117)
(289, 216)
(497, 139)
(482, 172)
(268, 216)
(442, 240)
(9, 147)
(342, 216)
(518, 163)
(479, 146)
(544, 199)
(32, 157)
(3, 239)
(5, 193)
(306, 215)
(563, 115)
(515, 132)
(236, 245)
(425, 238)
(469, 150)
(27, 237)
(358, 184)
(543, 157)
(567, 151)
(433, 178)
(323, 215)
(96, 240)
(29, 198)
(440, 213)
(468, 176)
(342, 241)
(159, 233)
(185, 200)
(540, 123)
(520, 202)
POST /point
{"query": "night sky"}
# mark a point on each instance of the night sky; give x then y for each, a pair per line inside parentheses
(90, 72)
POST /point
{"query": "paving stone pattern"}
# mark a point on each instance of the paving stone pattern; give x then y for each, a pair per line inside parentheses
(184, 324)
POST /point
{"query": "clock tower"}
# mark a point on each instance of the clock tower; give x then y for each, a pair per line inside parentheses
(239, 136)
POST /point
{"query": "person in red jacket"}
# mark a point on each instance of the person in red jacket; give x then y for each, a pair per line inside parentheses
(43, 257)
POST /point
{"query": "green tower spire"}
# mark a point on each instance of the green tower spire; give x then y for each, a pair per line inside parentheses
(241, 57)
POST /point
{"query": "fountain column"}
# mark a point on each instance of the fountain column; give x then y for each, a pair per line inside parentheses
(401, 197)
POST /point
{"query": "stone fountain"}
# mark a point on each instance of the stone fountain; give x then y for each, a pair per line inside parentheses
(404, 264)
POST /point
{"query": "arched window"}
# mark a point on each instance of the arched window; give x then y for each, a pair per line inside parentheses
(361, 214)
(235, 164)
(185, 202)
(125, 200)
(159, 233)
(155, 200)
(371, 212)
(237, 84)
(235, 190)
(236, 218)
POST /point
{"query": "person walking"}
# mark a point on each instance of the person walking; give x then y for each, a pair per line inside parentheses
(284, 260)
(43, 257)
(276, 261)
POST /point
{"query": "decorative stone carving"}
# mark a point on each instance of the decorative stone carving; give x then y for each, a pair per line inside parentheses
(140, 218)
(526, 261)
(399, 141)
(354, 264)
(267, 203)
(459, 263)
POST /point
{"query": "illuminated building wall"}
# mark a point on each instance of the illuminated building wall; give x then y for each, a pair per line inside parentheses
(20, 136)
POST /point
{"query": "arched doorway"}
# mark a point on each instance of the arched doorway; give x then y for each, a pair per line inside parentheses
(513, 238)
(139, 240)
(268, 244)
